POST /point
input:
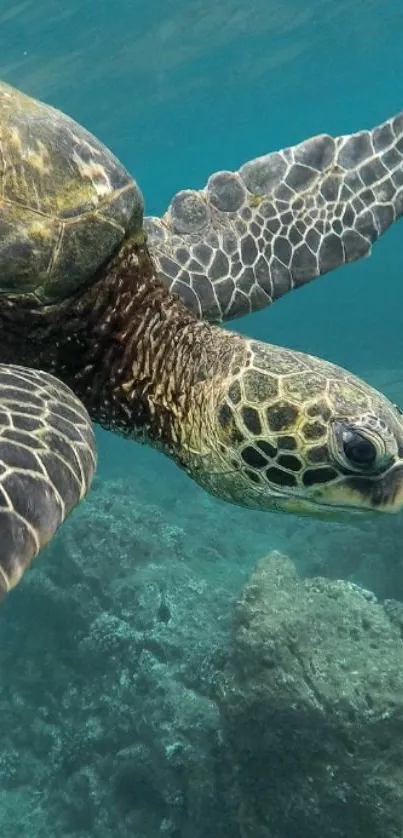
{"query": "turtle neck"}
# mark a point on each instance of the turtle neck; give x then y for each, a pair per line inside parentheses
(128, 348)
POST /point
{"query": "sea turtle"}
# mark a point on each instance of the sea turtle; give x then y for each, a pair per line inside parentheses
(124, 312)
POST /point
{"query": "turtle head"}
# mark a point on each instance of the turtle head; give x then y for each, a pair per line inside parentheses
(294, 433)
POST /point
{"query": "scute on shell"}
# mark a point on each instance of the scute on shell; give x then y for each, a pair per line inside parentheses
(66, 202)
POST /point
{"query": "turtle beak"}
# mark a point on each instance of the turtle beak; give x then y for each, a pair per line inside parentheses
(382, 493)
(353, 498)
(391, 495)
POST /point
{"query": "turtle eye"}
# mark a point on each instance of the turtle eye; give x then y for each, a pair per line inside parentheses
(358, 450)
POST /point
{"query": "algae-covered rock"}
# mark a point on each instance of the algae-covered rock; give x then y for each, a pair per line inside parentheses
(106, 660)
(130, 707)
(311, 706)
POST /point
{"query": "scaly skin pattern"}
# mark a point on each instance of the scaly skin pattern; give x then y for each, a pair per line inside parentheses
(250, 236)
(257, 425)
(47, 461)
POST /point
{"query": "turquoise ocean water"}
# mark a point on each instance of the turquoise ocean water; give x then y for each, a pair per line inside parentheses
(179, 89)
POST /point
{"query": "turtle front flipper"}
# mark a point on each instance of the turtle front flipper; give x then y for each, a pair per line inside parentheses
(47, 461)
(251, 236)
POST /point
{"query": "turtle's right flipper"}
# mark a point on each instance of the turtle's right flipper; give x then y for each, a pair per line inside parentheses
(47, 461)
(251, 236)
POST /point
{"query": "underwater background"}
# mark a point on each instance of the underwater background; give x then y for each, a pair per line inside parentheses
(143, 660)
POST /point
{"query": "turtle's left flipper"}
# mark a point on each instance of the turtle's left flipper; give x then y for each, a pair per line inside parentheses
(47, 461)
(251, 236)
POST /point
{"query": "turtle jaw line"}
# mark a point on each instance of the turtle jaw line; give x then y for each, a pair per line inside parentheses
(308, 507)
(291, 501)
(383, 496)
(305, 507)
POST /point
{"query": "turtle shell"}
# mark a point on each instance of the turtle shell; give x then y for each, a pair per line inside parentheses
(66, 203)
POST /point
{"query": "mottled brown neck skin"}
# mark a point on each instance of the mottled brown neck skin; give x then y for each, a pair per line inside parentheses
(130, 350)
